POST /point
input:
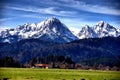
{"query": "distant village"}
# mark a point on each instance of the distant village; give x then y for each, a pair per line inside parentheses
(54, 62)
(71, 66)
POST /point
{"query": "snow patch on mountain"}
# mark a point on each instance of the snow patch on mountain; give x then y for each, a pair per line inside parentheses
(50, 30)
(101, 29)
(53, 30)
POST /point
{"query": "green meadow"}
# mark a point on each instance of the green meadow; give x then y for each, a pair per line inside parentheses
(56, 74)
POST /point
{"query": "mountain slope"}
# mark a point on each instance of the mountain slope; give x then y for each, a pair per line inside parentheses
(49, 30)
(85, 51)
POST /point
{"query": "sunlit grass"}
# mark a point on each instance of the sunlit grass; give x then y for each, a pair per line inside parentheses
(56, 74)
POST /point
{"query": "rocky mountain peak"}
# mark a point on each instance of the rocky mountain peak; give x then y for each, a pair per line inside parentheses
(49, 30)
(101, 29)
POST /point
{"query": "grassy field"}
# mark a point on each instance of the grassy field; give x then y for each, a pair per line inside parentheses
(56, 74)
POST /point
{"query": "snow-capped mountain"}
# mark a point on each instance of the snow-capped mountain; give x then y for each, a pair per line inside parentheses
(49, 30)
(86, 32)
(101, 29)
(53, 30)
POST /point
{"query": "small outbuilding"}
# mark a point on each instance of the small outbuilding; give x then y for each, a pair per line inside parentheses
(42, 66)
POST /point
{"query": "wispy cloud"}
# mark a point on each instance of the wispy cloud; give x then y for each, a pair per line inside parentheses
(78, 23)
(32, 16)
(49, 10)
(74, 30)
(3, 28)
(5, 19)
(74, 13)
(2, 23)
(97, 9)
(80, 5)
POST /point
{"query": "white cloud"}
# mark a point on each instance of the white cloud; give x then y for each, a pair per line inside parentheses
(3, 28)
(74, 30)
(49, 10)
(78, 23)
(5, 19)
(53, 11)
(80, 5)
(90, 7)
(98, 9)
(32, 16)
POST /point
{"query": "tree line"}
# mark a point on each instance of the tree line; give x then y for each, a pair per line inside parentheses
(60, 62)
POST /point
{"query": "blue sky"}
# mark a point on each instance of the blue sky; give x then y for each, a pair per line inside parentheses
(73, 13)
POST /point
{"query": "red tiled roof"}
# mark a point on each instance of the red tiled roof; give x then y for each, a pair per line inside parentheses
(41, 65)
